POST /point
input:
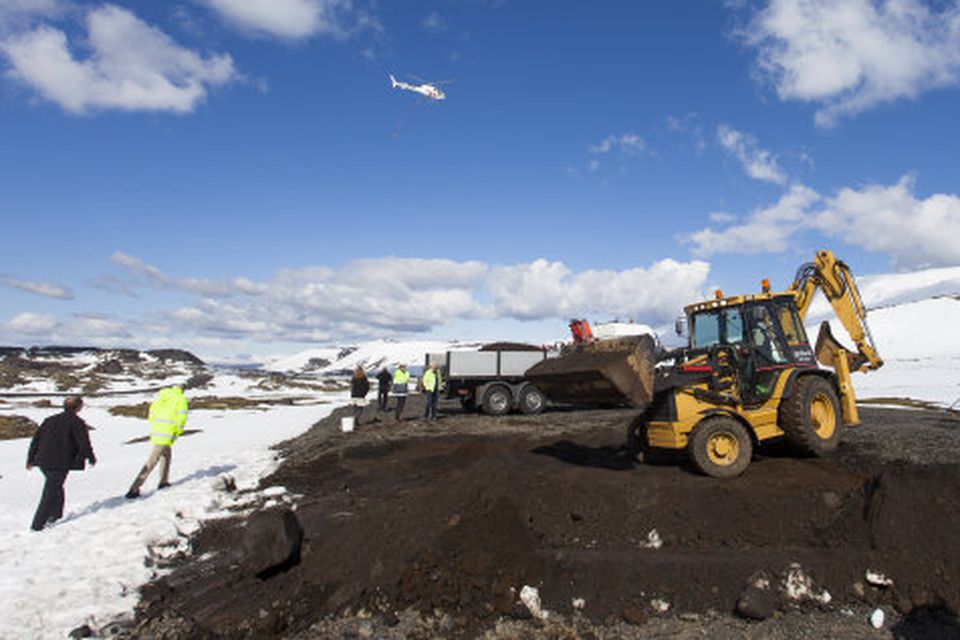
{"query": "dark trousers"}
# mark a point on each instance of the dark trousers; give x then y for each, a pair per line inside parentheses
(382, 396)
(51, 502)
(430, 412)
(401, 401)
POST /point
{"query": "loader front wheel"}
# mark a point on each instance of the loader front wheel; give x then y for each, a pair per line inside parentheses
(721, 447)
(811, 416)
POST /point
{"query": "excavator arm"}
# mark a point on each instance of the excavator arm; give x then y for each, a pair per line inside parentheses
(833, 278)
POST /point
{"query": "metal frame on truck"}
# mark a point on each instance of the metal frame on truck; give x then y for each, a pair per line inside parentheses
(491, 380)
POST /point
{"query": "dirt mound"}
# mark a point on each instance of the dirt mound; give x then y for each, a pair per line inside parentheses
(510, 346)
(456, 517)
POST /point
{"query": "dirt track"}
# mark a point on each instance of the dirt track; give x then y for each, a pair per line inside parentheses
(450, 519)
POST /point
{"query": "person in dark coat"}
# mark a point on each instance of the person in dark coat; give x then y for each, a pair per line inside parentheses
(385, 381)
(61, 444)
(359, 387)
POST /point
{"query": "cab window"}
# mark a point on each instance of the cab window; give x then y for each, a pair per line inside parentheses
(793, 329)
(763, 334)
(721, 326)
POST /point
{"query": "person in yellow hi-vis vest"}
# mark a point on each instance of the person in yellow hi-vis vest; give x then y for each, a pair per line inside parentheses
(168, 415)
(432, 383)
(401, 382)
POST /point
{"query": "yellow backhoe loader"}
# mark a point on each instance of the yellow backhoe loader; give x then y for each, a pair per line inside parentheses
(747, 375)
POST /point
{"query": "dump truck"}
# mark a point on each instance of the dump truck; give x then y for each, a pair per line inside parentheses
(492, 378)
(748, 374)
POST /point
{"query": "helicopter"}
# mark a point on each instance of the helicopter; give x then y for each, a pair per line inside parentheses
(426, 89)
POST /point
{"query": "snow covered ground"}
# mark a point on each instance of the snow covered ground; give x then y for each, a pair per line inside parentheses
(87, 567)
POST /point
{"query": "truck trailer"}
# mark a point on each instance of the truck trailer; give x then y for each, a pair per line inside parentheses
(492, 379)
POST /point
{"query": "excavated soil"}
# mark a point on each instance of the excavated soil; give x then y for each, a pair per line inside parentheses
(432, 529)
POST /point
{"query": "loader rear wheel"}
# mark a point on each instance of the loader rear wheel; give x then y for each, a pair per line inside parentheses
(721, 447)
(496, 401)
(532, 400)
(811, 416)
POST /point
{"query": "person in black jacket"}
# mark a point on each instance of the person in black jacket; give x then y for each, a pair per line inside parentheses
(359, 387)
(385, 381)
(62, 443)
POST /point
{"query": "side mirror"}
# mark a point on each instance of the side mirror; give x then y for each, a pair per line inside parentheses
(680, 326)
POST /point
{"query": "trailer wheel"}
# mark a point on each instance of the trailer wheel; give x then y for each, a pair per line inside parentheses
(721, 447)
(532, 401)
(496, 401)
(811, 416)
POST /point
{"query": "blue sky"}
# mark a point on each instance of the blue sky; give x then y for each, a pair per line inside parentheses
(238, 176)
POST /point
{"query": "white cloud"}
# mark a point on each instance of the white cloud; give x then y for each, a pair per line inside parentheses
(293, 19)
(851, 55)
(32, 323)
(14, 12)
(75, 329)
(435, 23)
(543, 289)
(131, 66)
(390, 296)
(139, 267)
(889, 219)
(915, 232)
(758, 163)
(765, 230)
(46, 289)
(626, 143)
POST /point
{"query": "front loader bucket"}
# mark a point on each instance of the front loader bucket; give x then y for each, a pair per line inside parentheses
(619, 371)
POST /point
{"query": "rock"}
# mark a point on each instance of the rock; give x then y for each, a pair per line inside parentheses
(390, 619)
(83, 631)
(757, 601)
(530, 596)
(877, 579)
(114, 628)
(224, 483)
(271, 542)
(756, 604)
(660, 605)
(365, 629)
(831, 500)
(635, 615)
(876, 619)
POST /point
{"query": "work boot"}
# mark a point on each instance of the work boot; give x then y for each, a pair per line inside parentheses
(132, 494)
(163, 485)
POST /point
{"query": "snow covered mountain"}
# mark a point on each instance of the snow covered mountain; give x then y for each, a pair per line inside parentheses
(370, 355)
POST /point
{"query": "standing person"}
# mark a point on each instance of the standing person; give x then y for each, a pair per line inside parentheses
(384, 380)
(61, 444)
(168, 415)
(359, 387)
(401, 378)
(431, 386)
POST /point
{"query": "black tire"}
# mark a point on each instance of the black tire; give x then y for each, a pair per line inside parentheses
(532, 401)
(469, 403)
(811, 416)
(497, 400)
(721, 447)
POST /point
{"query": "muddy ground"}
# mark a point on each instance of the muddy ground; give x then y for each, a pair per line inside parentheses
(432, 529)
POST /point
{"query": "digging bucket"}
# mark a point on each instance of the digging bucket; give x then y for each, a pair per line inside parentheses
(610, 372)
